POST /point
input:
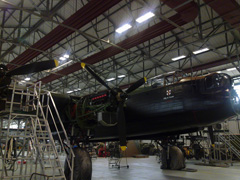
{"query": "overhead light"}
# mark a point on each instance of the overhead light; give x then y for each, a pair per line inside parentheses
(231, 69)
(200, 51)
(27, 79)
(78, 89)
(145, 17)
(69, 92)
(66, 56)
(219, 71)
(62, 58)
(121, 76)
(179, 57)
(110, 79)
(123, 28)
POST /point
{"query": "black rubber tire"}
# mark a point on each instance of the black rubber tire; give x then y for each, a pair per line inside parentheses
(82, 165)
(176, 159)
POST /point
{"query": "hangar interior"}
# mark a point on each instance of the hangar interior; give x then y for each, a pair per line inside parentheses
(121, 41)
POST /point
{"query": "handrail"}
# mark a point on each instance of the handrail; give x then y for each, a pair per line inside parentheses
(229, 143)
(65, 133)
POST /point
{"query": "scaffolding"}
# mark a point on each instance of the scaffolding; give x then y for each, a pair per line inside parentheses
(225, 149)
(28, 149)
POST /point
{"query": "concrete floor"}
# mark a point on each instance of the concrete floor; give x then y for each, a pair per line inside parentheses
(149, 169)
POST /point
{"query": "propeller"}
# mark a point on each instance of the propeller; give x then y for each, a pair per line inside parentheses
(120, 97)
(33, 68)
(5, 75)
(95, 75)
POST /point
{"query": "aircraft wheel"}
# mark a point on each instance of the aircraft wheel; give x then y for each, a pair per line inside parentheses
(176, 159)
(82, 165)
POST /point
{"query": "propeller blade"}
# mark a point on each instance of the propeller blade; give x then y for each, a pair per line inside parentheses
(121, 126)
(33, 67)
(95, 75)
(136, 85)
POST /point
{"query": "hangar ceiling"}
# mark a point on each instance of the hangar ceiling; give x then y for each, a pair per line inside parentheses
(37, 30)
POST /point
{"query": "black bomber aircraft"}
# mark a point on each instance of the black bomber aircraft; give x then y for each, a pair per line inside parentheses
(153, 112)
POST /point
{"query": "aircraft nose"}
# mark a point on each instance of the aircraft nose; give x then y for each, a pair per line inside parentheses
(235, 101)
(217, 82)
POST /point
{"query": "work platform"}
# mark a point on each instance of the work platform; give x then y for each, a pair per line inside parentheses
(28, 149)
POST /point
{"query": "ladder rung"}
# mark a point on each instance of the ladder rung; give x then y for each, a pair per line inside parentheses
(22, 136)
(42, 131)
(15, 89)
(28, 115)
(19, 158)
(26, 94)
(9, 102)
(43, 137)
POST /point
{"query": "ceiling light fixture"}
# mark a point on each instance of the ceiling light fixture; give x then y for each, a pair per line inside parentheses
(27, 79)
(62, 58)
(179, 57)
(123, 28)
(231, 69)
(110, 79)
(66, 56)
(145, 17)
(121, 76)
(201, 51)
(69, 92)
(78, 89)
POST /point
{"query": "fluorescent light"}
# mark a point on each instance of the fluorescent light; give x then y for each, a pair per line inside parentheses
(200, 51)
(179, 57)
(27, 79)
(123, 28)
(62, 58)
(110, 79)
(66, 56)
(78, 89)
(69, 92)
(145, 17)
(121, 76)
(231, 69)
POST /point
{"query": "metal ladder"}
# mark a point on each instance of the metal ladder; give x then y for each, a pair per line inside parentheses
(38, 144)
(232, 142)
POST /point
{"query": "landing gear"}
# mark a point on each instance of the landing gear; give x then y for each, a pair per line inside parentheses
(172, 158)
(82, 165)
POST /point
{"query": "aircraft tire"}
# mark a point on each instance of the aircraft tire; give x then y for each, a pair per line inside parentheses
(176, 159)
(82, 165)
